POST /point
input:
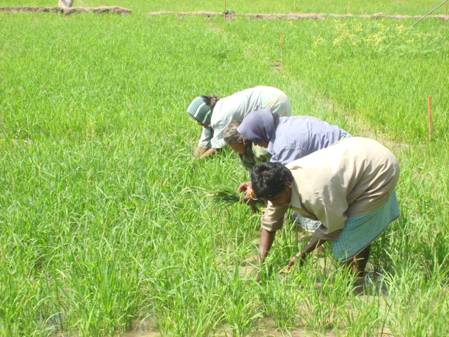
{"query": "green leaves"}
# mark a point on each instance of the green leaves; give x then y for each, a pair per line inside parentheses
(106, 216)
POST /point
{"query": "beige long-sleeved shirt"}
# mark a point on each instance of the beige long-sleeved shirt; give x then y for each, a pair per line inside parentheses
(351, 177)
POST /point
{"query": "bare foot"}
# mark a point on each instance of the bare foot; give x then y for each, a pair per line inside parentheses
(359, 285)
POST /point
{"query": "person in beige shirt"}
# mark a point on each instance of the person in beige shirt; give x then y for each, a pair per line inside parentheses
(349, 187)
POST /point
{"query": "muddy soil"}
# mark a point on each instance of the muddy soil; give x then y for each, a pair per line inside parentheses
(67, 11)
(143, 328)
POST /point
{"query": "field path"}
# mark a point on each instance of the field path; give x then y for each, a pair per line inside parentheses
(67, 11)
(301, 16)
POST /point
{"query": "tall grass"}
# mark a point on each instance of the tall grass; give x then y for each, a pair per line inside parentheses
(417, 7)
(106, 217)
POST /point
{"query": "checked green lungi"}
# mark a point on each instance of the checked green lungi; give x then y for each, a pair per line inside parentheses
(360, 231)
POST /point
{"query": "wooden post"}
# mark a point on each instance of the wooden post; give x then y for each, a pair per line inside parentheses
(226, 13)
(429, 115)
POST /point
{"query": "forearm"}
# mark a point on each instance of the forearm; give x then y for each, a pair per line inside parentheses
(206, 136)
(312, 245)
(266, 241)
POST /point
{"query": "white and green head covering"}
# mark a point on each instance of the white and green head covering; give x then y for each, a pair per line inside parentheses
(200, 111)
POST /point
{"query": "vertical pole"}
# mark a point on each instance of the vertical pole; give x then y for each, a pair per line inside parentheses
(225, 11)
(282, 46)
(429, 115)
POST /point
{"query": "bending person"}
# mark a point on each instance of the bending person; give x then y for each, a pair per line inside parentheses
(349, 187)
(214, 114)
(287, 139)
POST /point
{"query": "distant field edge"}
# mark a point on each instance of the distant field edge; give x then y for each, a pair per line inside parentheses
(67, 11)
(301, 16)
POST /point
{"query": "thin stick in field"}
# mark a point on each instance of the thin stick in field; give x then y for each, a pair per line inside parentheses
(282, 46)
(429, 114)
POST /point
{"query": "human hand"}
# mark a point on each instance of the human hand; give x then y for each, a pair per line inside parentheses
(199, 151)
(209, 153)
(293, 260)
(248, 191)
(287, 269)
(244, 186)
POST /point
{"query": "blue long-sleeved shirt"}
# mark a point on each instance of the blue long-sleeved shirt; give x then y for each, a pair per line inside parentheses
(298, 136)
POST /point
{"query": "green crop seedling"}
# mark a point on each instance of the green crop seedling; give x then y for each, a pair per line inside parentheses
(107, 221)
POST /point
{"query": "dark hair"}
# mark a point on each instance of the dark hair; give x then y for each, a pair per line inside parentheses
(270, 179)
(210, 101)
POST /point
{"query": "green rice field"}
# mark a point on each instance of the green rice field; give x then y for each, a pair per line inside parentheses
(416, 7)
(110, 227)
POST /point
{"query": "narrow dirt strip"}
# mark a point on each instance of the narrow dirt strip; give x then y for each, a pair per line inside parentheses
(301, 16)
(67, 11)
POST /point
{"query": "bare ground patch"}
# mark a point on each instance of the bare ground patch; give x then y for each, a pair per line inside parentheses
(67, 11)
(267, 328)
(300, 16)
(143, 328)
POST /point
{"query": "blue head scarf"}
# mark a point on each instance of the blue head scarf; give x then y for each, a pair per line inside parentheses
(258, 126)
(200, 111)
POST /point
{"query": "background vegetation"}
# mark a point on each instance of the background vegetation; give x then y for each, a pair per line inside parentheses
(106, 218)
(248, 6)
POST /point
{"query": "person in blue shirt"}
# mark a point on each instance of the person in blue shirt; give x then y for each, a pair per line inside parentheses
(286, 138)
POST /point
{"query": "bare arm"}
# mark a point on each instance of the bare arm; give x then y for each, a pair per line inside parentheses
(272, 220)
(310, 247)
(266, 241)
